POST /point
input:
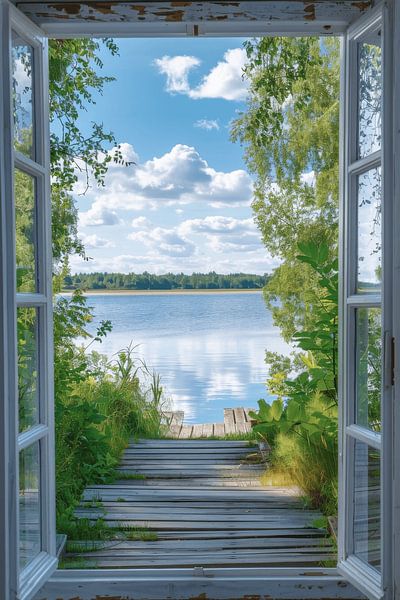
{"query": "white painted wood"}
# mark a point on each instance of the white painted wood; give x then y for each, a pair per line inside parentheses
(396, 304)
(36, 572)
(218, 584)
(364, 576)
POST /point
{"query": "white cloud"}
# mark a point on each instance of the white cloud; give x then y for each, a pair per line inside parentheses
(94, 241)
(218, 224)
(225, 234)
(140, 222)
(98, 215)
(177, 69)
(207, 124)
(166, 242)
(225, 80)
(178, 177)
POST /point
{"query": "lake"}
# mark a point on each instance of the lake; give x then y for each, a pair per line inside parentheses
(208, 347)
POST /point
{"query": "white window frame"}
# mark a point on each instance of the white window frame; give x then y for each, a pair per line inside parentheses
(36, 572)
(363, 576)
(173, 583)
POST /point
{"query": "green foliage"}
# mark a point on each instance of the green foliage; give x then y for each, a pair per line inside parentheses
(74, 67)
(291, 128)
(168, 281)
(301, 426)
(99, 405)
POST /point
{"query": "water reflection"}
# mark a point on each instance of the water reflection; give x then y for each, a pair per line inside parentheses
(207, 363)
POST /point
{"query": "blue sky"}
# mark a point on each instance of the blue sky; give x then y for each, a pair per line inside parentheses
(185, 204)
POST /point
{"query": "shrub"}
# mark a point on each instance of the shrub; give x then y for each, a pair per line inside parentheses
(301, 424)
(99, 405)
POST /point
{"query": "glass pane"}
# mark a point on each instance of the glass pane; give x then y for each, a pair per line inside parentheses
(367, 509)
(28, 384)
(25, 235)
(22, 73)
(370, 95)
(369, 231)
(368, 367)
(29, 504)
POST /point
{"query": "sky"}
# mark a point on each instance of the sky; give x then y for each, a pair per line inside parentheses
(184, 206)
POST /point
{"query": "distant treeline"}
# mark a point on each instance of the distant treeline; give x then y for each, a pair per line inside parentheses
(168, 281)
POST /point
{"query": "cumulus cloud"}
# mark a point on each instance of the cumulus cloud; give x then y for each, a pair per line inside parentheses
(94, 241)
(164, 241)
(225, 234)
(140, 222)
(97, 215)
(225, 80)
(178, 177)
(218, 224)
(177, 69)
(207, 124)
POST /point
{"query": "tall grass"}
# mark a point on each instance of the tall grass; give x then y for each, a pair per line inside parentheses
(100, 404)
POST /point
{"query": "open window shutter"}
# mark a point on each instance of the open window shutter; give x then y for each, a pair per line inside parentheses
(366, 389)
(27, 461)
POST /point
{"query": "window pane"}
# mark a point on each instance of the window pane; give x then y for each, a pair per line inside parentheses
(25, 235)
(370, 95)
(369, 231)
(28, 384)
(22, 73)
(29, 504)
(368, 367)
(367, 509)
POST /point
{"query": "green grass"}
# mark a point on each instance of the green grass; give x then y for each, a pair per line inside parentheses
(76, 563)
(125, 475)
(138, 533)
(85, 529)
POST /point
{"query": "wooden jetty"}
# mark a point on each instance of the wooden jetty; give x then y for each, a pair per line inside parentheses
(236, 421)
(204, 501)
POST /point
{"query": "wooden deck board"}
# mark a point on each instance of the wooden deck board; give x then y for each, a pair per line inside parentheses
(207, 506)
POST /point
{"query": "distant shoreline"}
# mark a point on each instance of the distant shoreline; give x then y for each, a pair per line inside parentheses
(189, 292)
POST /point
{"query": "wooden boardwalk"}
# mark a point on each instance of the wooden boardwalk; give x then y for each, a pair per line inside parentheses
(207, 507)
(236, 421)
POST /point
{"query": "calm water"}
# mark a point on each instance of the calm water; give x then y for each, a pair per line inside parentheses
(208, 348)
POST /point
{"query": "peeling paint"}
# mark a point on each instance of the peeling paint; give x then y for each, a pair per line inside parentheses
(309, 10)
(361, 5)
(299, 11)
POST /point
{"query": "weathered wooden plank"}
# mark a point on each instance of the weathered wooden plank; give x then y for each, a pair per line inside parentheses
(240, 421)
(177, 584)
(207, 506)
(208, 430)
(318, 16)
(186, 431)
(174, 430)
(219, 429)
(216, 444)
(229, 421)
(197, 431)
(212, 545)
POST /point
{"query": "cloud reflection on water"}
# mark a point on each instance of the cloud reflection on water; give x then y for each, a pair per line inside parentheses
(207, 370)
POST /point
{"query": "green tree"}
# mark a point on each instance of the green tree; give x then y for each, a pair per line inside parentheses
(74, 67)
(290, 136)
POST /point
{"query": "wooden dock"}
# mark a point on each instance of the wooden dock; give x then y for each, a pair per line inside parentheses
(236, 421)
(205, 504)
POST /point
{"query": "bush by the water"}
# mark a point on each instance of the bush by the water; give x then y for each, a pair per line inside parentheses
(302, 423)
(99, 405)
